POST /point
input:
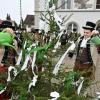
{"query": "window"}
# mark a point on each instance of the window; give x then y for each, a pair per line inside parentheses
(62, 4)
(50, 4)
(55, 2)
(83, 4)
(72, 26)
(65, 4)
(68, 3)
(98, 4)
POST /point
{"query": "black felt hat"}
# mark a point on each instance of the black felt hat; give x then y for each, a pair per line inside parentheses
(36, 30)
(89, 25)
(7, 24)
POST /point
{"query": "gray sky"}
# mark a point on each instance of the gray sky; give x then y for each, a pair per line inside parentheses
(12, 7)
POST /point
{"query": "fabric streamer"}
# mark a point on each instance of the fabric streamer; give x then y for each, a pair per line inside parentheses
(14, 72)
(2, 90)
(20, 55)
(58, 20)
(9, 78)
(26, 62)
(56, 46)
(19, 58)
(55, 95)
(34, 80)
(27, 57)
(55, 71)
(25, 44)
(80, 86)
(51, 9)
(97, 95)
(33, 61)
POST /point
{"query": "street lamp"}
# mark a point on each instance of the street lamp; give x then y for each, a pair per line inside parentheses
(21, 14)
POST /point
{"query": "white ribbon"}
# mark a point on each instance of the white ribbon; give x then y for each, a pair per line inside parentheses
(97, 95)
(51, 9)
(2, 90)
(27, 57)
(80, 86)
(26, 62)
(34, 80)
(72, 47)
(19, 58)
(55, 71)
(14, 72)
(20, 55)
(48, 0)
(58, 20)
(58, 42)
(41, 24)
(55, 95)
(25, 44)
(33, 61)
(57, 45)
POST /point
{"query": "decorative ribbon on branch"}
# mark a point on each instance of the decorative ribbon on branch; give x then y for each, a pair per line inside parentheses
(9, 76)
(20, 55)
(55, 71)
(2, 90)
(27, 57)
(33, 61)
(23, 67)
(33, 82)
(55, 95)
(80, 85)
(14, 72)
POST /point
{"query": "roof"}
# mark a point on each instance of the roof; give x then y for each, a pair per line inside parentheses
(29, 20)
(1, 21)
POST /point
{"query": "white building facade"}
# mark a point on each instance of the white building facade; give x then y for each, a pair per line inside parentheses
(80, 11)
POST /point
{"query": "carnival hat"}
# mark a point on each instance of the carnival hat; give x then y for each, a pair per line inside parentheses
(7, 24)
(89, 25)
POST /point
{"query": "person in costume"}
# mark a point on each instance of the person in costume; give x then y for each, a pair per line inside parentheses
(8, 48)
(64, 38)
(86, 56)
(8, 45)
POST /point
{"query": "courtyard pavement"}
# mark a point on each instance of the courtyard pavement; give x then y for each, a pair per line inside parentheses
(67, 65)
